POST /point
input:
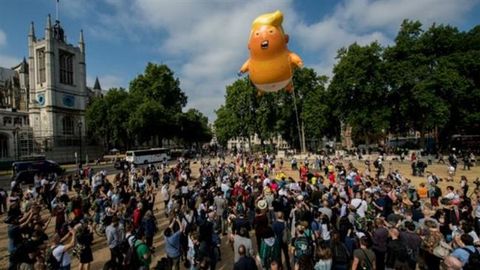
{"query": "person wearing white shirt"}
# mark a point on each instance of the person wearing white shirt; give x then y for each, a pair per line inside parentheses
(359, 204)
(451, 193)
(63, 188)
(60, 251)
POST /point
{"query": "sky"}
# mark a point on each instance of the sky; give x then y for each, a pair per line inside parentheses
(205, 41)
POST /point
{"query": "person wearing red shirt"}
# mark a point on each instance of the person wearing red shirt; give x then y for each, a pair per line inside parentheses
(137, 215)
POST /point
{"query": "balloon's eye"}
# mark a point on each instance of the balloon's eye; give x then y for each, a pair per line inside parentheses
(271, 31)
(257, 34)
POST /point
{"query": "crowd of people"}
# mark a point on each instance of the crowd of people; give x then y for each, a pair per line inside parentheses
(333, 215)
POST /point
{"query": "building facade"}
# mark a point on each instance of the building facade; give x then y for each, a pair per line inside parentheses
(43, 99)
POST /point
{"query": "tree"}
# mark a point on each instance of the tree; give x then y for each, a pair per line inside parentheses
(428, 89)
(225, 125)
(194, 127)
(359, 91)
(107, 117)
(159, 84)
(246, 114)
(160, 101)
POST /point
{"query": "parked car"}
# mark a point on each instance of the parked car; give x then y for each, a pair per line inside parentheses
(120, 164)
(24, 171)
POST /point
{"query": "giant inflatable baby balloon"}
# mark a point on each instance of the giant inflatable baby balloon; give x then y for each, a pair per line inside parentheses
(271, 64)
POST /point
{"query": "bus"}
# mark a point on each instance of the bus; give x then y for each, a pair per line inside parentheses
(153, 155)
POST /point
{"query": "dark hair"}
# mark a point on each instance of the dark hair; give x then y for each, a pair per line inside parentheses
(167, 232)
(410, 226)
(466, 239)
(304, 262)
(365, 241)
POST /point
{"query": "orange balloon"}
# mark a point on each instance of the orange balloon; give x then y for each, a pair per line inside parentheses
(271, 64)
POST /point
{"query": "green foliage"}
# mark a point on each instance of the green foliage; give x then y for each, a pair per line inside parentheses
(428, 80)
(359, 91)
(247, 113)
(151, 109)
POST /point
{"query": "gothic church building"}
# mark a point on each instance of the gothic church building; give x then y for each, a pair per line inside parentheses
(43, 99)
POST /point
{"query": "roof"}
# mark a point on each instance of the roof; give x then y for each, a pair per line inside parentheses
(97, 86)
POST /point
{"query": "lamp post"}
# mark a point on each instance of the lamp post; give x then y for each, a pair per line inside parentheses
(15, 132)
(80, 134)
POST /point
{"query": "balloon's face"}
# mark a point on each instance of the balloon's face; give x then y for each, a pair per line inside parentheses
(266, 40)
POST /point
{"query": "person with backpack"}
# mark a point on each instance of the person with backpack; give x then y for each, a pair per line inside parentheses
(280, 228)
(364, 257)
(59, 258)
(142, 255)
(466, 252)
(269, 248)
(302, 243)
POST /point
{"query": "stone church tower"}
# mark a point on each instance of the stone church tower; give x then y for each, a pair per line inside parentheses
(58, 91)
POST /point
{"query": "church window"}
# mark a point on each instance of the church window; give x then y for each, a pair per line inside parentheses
(3, 146)
(7, 120)
(66, 68)
(41, 65)
(17, 121)
(67, 125)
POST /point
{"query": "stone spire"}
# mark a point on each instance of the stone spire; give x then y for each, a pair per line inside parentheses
(81, 42)
(32, 31)
(97, 86)
(49, 23)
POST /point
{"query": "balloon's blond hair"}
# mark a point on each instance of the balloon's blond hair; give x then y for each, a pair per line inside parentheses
(274, 19)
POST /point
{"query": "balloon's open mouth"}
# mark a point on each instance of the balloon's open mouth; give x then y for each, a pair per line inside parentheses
(264, 44)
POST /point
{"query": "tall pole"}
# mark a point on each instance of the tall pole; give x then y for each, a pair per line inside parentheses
(80, 134)
(300, 138)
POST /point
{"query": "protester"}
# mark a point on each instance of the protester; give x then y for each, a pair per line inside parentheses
(346, 218)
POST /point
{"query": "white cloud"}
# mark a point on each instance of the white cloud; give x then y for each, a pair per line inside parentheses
(365, 21)
(210, 37)
(7, 61)
(207, 39)
(390, 13)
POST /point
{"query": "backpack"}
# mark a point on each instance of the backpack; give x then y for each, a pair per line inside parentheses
(473, 260)
(52, 262)
(269, 253)
(303, 246)
(340, 254)
(131, 259)
(240, 208)
(124, 245)
(412, 253)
